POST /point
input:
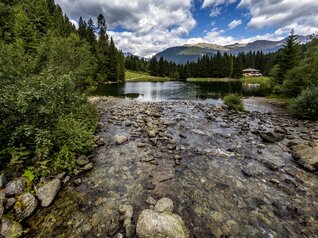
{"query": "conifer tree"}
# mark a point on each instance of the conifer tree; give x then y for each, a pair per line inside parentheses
(289, 57)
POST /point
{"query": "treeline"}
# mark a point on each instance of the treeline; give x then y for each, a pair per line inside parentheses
(215, 66)
(46, 65)
(135, 63)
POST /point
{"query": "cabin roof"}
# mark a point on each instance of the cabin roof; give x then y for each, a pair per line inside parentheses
(251, 70)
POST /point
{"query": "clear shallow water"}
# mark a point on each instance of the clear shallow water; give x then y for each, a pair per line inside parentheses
(175, 90)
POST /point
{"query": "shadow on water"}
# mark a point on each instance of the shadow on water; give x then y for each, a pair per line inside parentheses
(175, 90)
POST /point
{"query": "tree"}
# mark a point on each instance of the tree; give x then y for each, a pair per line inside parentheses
(113, 62)
(102, 50)
(153, 66)
(237, 67)
(289, 57)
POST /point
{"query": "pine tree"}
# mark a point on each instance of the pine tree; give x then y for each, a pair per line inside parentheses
(102, 50)
(153, 66)
(113, 62)
(237, 67)
(289, 57)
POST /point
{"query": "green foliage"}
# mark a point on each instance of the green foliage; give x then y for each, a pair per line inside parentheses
(42, 117)
(29, 175)
(306, 104)
(234, 102)
(288, 58)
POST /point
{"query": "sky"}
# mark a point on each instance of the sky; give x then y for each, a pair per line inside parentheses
(144, 27)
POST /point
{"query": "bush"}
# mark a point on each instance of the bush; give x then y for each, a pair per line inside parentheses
(306, 104)
(45, 123)
(234, 102)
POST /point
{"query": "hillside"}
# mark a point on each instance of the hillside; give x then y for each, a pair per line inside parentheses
(191, 53)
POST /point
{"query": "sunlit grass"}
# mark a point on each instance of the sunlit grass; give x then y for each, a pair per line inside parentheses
(133, 76)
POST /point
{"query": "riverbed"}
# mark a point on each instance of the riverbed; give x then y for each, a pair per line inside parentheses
(223, 178)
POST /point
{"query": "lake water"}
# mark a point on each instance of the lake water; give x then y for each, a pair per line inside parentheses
(175, 90)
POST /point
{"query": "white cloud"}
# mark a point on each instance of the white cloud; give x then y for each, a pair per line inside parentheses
(283, 14)
(208, 3)
(235, 23)
(149, 26)
(152, 26)
(215, 11)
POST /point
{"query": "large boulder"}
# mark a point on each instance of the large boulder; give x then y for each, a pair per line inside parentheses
(161, 222)
(47, 193)
(271, 137)
(306, 156)
(15, 187)
(10, 229)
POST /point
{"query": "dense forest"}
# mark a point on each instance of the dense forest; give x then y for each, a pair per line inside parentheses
(46, 66)
(215, 66)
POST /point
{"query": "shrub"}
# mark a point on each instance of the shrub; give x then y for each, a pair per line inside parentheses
(45, 123)
(234, 102)
(306, 104)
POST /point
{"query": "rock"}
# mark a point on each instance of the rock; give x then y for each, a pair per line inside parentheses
(141, 145)
(15, 187)
(127, 211)
(99, 141)
(182, 135)
(152, 224)
(66, 179)
(252, 170)
(306, 156)
(10, 229)
(10, 202)
(151, 201)
(3, 180)
(151, 133)
(294, 142)
(1, 207)
(77, 181)
(29, 204)
(47, 193)
(164, 205)
(82, 160)
(88, 166)
(60, 175)
(99, 126)
(168, 123)
(121, 139)
(271, 137)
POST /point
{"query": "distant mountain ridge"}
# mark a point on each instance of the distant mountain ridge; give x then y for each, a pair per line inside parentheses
(191, 53)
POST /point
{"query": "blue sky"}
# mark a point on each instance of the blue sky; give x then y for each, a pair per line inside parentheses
(145, 27)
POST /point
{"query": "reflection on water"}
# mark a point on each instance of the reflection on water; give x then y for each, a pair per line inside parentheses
(175, 90)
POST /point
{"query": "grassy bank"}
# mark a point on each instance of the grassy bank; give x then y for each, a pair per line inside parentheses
(133, 76)
(258, 80)
(211, 79)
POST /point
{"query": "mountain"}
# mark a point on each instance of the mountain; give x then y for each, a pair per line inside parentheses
(191, 53)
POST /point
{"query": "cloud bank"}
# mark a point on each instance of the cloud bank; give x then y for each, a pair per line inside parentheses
(147, 27)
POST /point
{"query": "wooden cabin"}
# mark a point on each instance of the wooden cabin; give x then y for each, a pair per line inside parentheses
(252, 72)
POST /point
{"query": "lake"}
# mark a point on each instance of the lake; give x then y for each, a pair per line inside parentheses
(175, 90)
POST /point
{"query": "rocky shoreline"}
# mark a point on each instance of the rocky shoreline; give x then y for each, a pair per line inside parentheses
(250, 174)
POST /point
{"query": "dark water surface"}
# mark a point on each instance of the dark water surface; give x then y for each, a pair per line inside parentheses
(175, 90)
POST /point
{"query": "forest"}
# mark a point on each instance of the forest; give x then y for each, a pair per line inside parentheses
(46, 68)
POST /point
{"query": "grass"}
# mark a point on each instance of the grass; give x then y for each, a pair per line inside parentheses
(258, 80)
(133, 76)
(211, 79)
